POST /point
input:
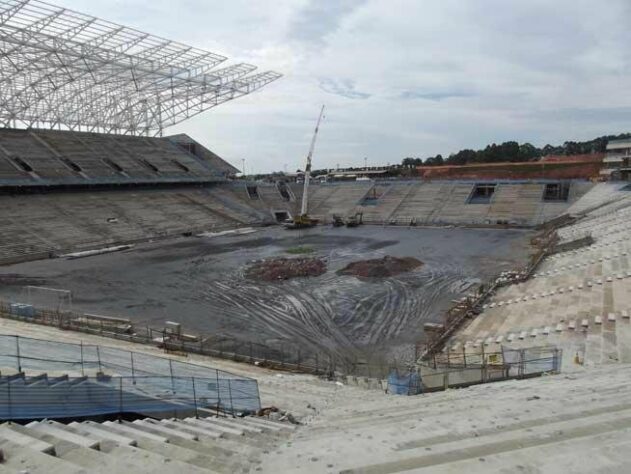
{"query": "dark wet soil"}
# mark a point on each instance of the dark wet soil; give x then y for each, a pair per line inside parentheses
(202, 283)
(278, 269)
(14, 279)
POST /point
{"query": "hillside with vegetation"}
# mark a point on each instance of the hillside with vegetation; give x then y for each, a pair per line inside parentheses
(514, 152)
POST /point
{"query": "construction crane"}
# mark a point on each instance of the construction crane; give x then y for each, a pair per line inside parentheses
(303, 220)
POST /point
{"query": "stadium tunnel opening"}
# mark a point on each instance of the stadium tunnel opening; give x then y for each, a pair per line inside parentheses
(482, 193)
(181, 166)
(253, 192)
(281, 216)
(556, 192)
(112, 164)
(23, 165)
(282, 190)
(72, 165)
(149, 165)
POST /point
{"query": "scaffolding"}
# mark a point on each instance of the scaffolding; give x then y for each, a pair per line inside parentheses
(60, 69)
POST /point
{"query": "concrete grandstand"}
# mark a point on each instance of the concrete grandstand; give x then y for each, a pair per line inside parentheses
(283, 376)
(577, 299)
(110, 217)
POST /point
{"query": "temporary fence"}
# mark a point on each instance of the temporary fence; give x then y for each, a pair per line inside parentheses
(283, 355)
(84, 380)
(469, 306)
(460, 370)
(404, 384)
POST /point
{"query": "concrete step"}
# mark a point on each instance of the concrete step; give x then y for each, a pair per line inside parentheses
(61, 432)
(497, 443)
(213, 425)
(444, 411)
(508, 425)
(24, 440)
(146, 461)
(267, 424)
(94, 431)
(156, 427)
(21, 459)
(603, 453)
(202, 456)
(233, 423)
(200, 431)
(134, 431)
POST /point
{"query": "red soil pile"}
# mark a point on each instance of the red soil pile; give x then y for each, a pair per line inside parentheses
(380, 267)
(274, 269)
(585, 158)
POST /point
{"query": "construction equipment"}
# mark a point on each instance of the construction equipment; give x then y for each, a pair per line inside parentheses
(356, 220)
(337, 221)
(303, 220)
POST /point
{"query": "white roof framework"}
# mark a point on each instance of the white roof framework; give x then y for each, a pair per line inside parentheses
(65, 70)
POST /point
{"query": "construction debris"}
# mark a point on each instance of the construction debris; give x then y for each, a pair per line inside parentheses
(381, 267)
(281, 268)
(275, 414)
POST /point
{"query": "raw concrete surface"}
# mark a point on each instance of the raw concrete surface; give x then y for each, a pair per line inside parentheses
(199, 281)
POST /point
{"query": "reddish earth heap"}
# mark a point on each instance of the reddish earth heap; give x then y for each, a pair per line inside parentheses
(381, 267)
(281, 268)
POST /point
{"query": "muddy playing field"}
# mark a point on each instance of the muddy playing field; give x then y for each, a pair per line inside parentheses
(201, 282)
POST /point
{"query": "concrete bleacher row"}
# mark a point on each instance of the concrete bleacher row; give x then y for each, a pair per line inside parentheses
(38, 224)
(599, 195)
(577, 300)
(191, 445)
(574, 422)
(438, 202)
(54, 157)
(35, 225)
(578, 423)
(267, 201)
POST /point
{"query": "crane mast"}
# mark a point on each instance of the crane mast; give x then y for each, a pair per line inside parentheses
(305, 190)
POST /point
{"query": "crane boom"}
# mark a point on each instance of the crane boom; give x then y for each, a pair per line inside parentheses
(305, 190)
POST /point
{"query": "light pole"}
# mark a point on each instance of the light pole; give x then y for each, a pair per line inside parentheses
(243, 166)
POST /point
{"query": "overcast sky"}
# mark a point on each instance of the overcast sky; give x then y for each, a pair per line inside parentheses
(400, 78)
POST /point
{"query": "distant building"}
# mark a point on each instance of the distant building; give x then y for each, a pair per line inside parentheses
(361, 174)
(616, 163)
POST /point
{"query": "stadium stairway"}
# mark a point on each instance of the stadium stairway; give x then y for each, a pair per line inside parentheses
(563, 423)
(578, 422)
(190, 445)
(577, 300)
(598, 196)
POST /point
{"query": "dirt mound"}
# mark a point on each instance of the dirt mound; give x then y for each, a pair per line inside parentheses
(274, 269)
(380, 267)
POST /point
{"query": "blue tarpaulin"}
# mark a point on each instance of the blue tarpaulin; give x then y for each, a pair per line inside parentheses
(404, 384)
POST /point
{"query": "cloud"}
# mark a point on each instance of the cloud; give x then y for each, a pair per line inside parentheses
(433, 95)
(319, 18)
(343, 88)
(400, 77)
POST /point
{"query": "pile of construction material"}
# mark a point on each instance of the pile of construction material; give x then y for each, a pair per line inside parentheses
(275, 269)
(381, 267)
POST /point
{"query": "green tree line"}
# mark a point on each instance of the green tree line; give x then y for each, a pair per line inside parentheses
(512, 151)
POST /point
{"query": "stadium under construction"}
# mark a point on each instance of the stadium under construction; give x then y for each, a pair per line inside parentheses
(156, 313)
